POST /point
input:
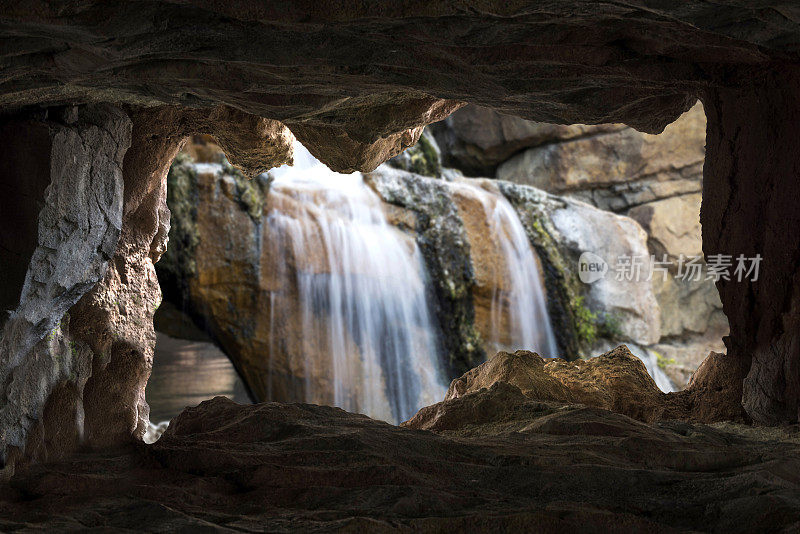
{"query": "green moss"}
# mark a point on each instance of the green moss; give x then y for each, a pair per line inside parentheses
(251, 194)
(576, 327)
(663, 362)
(610, 326)
(442, 240)
(585, 321)
(423, 158)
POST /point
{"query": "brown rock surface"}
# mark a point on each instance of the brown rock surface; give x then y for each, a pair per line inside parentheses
(620, 157)
(750, 199)
(342, 65)
(529, 465)
(339, 69)
(475, 139)
(616, 381)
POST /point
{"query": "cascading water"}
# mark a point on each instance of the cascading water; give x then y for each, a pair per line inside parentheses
(363, 316)
(519, 318)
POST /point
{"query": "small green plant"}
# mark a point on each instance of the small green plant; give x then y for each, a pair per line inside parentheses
(585, 321)
(663, 362)
(611, 326)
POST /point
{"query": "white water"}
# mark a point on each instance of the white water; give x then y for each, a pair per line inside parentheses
(361, 290)
(519, 318)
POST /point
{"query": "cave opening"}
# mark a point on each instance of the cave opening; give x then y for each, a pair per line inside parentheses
(426, 101)
(254, 262)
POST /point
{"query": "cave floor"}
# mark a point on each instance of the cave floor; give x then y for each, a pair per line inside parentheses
(223, 467)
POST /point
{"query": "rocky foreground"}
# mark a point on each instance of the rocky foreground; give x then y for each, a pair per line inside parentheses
(496, 459)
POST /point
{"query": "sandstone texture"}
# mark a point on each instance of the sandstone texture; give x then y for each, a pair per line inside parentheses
(505, 462)
(77, 351)
(476, 140)
(632, 166)
(363, 75)
(749, 209)
(616, 381)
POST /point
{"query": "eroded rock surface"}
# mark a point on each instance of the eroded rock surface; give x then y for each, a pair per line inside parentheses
(42, 359)
(507, 462)
(615, 381)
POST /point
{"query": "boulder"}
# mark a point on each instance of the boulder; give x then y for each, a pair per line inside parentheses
(672, 226)
(623, 295)
(616, 381)
(660, 164)
(476, 140)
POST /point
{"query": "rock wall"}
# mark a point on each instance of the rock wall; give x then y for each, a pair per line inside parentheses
(750, 209)
(222, 266)
(357, 86)
(44, 362)
(77, 349)
(654, 179)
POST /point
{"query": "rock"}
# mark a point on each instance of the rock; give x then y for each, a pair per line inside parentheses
(621, 197)
(345, 150)
(680, 358)
(606, 65)
(524, 464)
(688, 307)
(477, 139)
(41, 356)
(422, 158)
(750, 209)
(616, 381)
(619, 157)
(655, 180)
(443, 240)
(714, 392)
(672, 226)
(622, 295)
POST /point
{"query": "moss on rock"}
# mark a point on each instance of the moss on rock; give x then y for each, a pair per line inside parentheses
(443, 242)
(250, 194)
(423, 158)
(576, 327)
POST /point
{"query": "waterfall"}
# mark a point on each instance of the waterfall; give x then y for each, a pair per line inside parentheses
(519, 317)
(363, 321)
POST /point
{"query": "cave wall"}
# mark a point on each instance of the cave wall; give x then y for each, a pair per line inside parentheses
(20, 202)
(750, 208)
(356, 84)
(78, 227)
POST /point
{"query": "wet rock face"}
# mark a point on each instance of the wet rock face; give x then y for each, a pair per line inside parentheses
(509, 462)
(445, 244)
(227, 266)
(653, 179)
